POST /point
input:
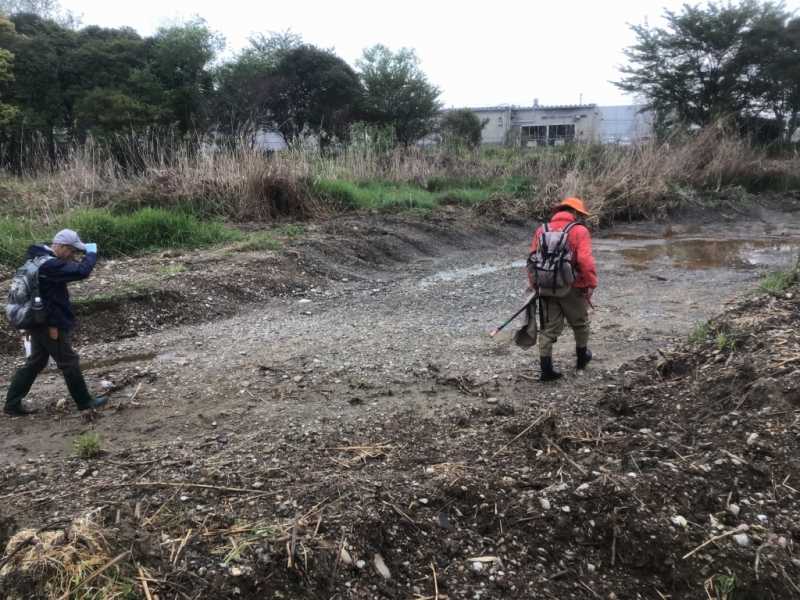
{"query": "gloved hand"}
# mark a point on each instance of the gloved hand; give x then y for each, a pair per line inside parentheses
(91, 248)
(587, 293)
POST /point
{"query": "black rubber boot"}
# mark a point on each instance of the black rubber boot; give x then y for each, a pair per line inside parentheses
(548, 372)
(584, 356)
(17, 410)
(76, 385)
(19, 387)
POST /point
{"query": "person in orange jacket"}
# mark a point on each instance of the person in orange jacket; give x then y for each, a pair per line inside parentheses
(574, 306)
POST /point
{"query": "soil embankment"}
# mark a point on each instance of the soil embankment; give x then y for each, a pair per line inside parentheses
(365, 409)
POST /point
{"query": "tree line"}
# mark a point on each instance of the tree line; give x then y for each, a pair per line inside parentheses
(60, 83)
(723, 61)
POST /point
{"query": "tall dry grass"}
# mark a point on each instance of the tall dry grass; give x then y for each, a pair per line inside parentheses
(242, 183)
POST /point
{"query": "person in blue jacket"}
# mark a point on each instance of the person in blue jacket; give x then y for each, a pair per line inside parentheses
(53, 338)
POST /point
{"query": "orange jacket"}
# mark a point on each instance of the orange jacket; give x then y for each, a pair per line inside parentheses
(580, 242)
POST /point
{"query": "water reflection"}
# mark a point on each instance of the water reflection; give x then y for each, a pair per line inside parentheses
(711, 254)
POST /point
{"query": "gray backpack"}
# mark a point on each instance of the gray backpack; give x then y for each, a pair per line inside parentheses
(551, 265)
(22, 309)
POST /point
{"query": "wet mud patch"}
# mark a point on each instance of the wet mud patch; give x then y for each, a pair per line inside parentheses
(695, 254)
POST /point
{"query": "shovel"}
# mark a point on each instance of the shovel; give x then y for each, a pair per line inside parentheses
(497, 330)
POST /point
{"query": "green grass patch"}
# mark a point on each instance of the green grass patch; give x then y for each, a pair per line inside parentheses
(290, 230)
(145, 230)
(171, 270)
(87, 445)
(725, 341)
(373, 195)
(15, 237)
(379, 195)
(777, 283)
(700, 333)
(258, 242)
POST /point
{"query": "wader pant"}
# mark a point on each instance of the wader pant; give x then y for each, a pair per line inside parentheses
(572, 307)
(42, 348)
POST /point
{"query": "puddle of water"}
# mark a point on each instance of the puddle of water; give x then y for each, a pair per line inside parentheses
(694, 254)
(686, 253)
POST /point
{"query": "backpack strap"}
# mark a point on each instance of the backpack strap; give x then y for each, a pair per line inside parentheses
(543, 239)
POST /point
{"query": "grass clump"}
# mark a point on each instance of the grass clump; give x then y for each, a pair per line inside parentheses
(777, 283)
(259, 242)
(724, 341)
(87, 445)
(384, 196)
(373, 195)
(15, 237)
(147, 229)
(700, 333)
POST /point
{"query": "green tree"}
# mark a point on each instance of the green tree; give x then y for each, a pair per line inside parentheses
(703, 66)
(46, 9)
(243, 85)
(107, 87)
(770, 56)
(312, 91)
(7, 111)
(40, 82)
(180, 61)
(397, 93)
(462, 126)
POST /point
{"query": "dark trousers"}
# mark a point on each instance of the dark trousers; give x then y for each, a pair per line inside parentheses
(42, 348)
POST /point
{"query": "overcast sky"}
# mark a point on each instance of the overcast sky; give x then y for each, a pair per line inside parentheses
(477, 53)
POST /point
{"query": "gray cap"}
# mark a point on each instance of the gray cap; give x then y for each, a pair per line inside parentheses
(67, 237)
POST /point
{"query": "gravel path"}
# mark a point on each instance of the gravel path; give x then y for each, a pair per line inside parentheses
(413, 336)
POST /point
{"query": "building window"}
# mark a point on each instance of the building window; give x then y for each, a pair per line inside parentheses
(560, 134)
(499, 121)
(534, 135)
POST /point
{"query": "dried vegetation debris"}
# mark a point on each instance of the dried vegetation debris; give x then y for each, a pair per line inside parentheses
(678, 479)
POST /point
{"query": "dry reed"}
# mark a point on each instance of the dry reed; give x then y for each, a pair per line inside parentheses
(242, 183)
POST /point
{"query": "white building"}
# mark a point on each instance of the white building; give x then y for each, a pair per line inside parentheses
(540, 125)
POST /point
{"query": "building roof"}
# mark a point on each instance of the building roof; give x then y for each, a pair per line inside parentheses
(504, 107)
(563, 106)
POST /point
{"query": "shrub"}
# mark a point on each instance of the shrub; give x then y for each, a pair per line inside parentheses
(87, 445)
(15, 237)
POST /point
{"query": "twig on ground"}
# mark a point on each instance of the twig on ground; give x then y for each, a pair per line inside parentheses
(557, 575)
(130, 400)
(792, 583)
(181, 547)
(145, 587)
(565, 455)
(716, 538)
(523, 432)
(591, 591)
(185, 484)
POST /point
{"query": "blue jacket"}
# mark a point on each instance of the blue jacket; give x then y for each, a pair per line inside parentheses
(54, 275)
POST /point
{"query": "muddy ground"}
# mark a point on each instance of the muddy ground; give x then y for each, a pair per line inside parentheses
(346, 395)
